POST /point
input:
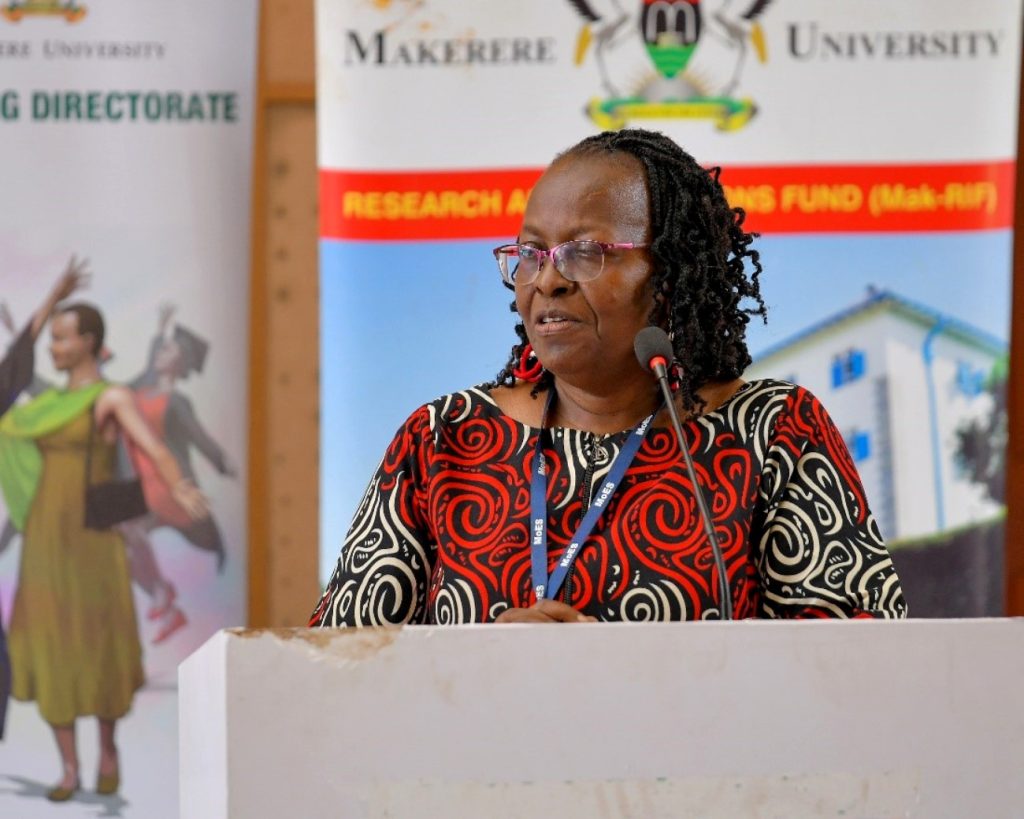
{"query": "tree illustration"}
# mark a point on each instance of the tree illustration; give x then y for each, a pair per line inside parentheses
(981, 443)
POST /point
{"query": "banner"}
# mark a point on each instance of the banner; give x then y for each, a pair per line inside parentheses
(871, 144)
(127, 147)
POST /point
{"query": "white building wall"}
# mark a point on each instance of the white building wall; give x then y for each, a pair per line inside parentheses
(890, 402)
(916, 486)
(852, 405)
(911, 451)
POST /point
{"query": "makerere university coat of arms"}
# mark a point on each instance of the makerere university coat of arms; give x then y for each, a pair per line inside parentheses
(695, 54)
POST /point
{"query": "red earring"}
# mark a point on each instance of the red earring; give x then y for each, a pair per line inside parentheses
(675, 376)
(529, 367)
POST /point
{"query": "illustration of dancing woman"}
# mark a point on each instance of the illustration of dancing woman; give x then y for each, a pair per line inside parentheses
(74, 644)
(170, 415)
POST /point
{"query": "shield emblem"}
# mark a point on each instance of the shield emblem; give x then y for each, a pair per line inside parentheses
(670, 29)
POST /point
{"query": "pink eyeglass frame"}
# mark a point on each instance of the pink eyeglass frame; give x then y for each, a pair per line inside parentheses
(550, 252)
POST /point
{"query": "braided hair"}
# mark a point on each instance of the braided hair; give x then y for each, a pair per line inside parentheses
(703, 294)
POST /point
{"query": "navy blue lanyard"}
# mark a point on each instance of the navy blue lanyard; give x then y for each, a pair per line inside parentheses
(544, 586)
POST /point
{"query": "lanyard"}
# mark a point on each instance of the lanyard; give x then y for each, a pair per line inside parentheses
(544, 586)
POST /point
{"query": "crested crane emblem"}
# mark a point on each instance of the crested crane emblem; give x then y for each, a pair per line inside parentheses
(16, 10)
(696, 51)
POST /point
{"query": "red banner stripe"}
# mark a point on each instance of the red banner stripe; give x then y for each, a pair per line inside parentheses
(873, 198)
(424, 205)
(489, 203)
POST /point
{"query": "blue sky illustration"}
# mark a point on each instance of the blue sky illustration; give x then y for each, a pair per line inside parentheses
(402, 323)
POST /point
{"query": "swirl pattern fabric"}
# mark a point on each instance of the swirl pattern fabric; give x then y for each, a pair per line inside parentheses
(442, 533)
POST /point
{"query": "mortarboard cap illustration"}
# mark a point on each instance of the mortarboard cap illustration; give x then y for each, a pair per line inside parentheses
(193, 349)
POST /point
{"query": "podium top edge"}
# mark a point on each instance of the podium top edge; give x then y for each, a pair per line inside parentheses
(318, 634)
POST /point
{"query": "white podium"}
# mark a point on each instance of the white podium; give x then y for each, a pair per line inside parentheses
(750, 719)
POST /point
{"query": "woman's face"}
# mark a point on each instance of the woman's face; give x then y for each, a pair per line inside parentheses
(583, 331)
(168, 358)
(68, 348)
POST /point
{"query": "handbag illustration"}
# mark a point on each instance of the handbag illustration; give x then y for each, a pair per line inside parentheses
(110, 502)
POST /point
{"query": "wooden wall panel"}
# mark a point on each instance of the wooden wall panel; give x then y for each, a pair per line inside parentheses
(1015, 397)
(284, 396)
(289, 56)
(293, 333)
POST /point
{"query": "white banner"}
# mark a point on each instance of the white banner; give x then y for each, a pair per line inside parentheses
(126, 140)
(467, 85)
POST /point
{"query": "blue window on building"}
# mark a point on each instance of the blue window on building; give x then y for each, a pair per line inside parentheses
(859, 444)
(970, 381)
(848, 366)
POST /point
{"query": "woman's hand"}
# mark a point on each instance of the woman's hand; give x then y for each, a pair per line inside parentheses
(6, 319)
(117, 402)
(167, 311)
(230, 470)
(189, 497)
(544, 611)
(74, 278)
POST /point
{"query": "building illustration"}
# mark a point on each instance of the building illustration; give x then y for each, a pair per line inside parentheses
(898, 378)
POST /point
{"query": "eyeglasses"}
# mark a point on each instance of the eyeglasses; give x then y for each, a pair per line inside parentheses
(577, 261)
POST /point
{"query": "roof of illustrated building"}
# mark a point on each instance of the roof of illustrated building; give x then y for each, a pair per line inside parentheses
(879, 301)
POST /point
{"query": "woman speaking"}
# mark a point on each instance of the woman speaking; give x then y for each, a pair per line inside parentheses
(560, 492)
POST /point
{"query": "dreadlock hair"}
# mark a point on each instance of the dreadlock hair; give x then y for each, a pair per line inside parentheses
(703, 294)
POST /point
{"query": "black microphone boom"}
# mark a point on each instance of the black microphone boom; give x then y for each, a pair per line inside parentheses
(654, 352)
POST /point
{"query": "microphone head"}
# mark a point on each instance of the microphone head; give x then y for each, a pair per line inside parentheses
(652, 347)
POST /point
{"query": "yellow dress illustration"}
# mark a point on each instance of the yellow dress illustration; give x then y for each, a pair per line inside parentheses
(73, 639)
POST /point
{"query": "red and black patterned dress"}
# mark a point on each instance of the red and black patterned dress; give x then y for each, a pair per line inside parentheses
(442, 533)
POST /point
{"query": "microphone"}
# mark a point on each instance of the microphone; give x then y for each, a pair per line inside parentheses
(654, 352)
